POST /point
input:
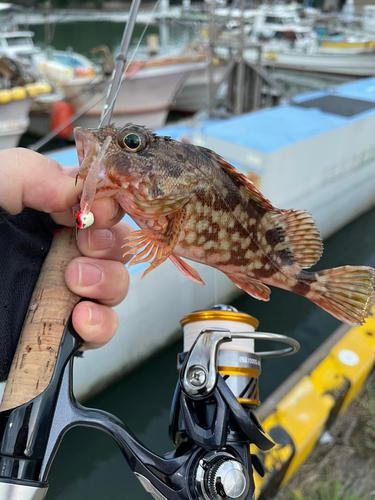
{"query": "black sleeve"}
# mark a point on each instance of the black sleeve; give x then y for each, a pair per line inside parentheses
(25, 240)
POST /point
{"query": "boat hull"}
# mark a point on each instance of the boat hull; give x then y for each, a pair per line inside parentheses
(194, 95)
(357, 65)
(145, 97)
(14, 121)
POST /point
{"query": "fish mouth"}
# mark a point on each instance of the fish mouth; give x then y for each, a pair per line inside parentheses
(86, 142)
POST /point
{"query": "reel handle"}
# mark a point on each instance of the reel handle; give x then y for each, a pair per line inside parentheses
(50, 307)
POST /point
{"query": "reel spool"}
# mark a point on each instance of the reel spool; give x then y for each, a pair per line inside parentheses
(237, 363)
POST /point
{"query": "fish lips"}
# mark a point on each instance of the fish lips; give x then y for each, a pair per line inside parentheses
(86, 143)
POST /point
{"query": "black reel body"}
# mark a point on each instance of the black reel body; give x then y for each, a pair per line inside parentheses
(209, 426)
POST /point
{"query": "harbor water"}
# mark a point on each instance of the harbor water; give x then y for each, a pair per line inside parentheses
(89, 465)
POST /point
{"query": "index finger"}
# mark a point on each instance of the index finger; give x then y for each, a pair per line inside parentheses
(28, 179)
(107, 212)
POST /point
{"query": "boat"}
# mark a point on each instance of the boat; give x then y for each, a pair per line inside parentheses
(18, 90)
(368, 18)
(194, 94)
(290, 45)
(15, 106)
(146, 95)
(55, 67)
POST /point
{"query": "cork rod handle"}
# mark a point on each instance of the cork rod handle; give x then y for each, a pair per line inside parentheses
(50, 307)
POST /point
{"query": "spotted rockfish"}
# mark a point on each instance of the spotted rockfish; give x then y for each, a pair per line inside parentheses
(190, 202)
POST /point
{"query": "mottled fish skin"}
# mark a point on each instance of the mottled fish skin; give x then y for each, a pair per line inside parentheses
(189, 202)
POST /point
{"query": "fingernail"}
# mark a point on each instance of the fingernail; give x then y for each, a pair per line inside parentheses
(88, 274)
(94, 316)
(115, 209)
(100, 239)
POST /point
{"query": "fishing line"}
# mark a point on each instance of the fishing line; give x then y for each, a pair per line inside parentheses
(111, 105)
(141, 37)
(215, 287)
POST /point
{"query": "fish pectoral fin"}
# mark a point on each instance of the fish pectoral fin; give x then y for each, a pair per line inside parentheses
(300, 235)
(155, 246)
(187, 270)
(255, 288)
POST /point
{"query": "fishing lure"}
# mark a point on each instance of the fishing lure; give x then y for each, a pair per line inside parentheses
(190, 202)
(85, 218)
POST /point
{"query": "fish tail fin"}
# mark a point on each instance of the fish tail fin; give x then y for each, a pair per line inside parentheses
(345, 292)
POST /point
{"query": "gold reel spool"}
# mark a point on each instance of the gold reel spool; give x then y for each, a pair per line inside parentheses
(237, 363)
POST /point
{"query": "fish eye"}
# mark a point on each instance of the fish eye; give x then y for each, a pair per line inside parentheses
(132, 141)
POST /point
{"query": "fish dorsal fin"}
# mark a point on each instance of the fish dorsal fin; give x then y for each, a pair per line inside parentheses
(255, 194)
(300, 235)
(294, 230)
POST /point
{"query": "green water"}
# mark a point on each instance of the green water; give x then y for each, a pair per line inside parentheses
(89, 465)
(82, 37)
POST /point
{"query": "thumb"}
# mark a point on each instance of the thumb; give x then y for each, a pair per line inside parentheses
(29, 179)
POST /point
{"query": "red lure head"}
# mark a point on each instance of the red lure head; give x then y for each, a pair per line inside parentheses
(84, 220)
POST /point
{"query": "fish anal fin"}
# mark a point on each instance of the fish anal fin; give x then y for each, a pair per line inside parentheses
(255, 288)
(254, 193)
(187, 270)
(300, 235)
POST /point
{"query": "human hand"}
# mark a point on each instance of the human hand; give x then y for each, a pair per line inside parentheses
(28, 179)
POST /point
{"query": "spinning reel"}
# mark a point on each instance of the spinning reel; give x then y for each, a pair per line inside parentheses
(212, 422)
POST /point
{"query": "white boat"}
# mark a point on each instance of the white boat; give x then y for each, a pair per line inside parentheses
(317, 155)
(290, 45)
(14, 121)
(146, 95)
(368, 18)
(350, 65)
(17, 93)
(194, 94)
(55, 66)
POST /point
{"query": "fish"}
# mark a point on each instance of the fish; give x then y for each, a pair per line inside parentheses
(190, 203)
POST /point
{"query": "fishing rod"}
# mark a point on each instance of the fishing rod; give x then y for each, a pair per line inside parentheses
(212, 422)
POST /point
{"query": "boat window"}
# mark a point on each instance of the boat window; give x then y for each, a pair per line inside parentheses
(19, 40)
(274, 20)
(67, 60)
(290, 36)
(338, 105)
(279, 35)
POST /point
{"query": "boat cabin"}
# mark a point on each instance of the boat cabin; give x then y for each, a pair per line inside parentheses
(17, 43)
